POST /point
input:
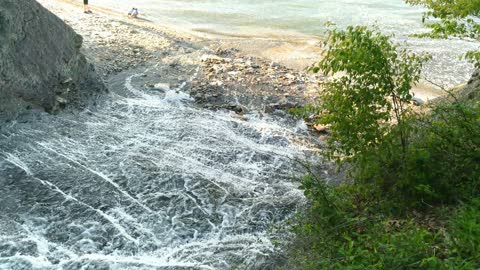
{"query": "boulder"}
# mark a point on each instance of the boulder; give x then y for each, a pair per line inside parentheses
(417, 101)
(465, 92)
(41, 65)
(472, 89)
(320, 128)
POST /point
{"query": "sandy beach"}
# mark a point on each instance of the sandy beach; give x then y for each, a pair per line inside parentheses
(225, 76)
(231, 73)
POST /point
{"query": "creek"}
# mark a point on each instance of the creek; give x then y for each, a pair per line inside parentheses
(145, 179)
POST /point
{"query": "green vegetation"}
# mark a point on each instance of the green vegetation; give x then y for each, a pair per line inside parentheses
(412, 201)
(374, 89)
(458, 18)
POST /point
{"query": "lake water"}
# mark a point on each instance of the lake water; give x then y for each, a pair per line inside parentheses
(290, 20)
(304, 16)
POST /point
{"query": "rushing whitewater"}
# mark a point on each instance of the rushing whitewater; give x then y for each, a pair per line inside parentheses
(145, 180)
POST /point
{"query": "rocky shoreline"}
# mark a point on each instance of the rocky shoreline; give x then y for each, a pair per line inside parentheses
(224, 77)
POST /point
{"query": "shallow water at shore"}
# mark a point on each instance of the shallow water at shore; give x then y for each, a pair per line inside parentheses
(304, 22)
(258, 18)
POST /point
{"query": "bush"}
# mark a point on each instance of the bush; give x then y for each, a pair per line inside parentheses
(418, 161)
(457, 18)
(441, 162)
(408, 172)
(465, 234)
(368, 93)
(345, 230)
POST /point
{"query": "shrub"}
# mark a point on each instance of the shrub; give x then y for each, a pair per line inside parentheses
(369, 91)
(417, 160)
(458, 18)
(465, 233)
(345, 230)
(400, 163)
(441, 163)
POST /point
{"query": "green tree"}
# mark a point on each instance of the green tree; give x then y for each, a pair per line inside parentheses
(369, 91)
(457, 18)
(400, 161)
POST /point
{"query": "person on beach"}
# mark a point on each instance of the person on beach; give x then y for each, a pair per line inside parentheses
(133, 13)
(86, 9)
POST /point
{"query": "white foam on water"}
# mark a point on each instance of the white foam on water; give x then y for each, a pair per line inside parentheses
(149, 181)
(42, 247)
(101, 175)
(33, 262)
(17, 162)
(140, 260)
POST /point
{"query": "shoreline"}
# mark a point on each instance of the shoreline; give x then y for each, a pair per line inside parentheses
(304, 48)
(273, 69)
(225, 77)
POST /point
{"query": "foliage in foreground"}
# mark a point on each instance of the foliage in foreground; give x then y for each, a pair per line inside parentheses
(413, 202)
(441, 162)
(457, 18)
(345, 229)
(369, 93)
(423, 215)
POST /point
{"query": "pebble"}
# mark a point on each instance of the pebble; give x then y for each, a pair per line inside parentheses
(162, 86)
(320, 128)
(417, 101)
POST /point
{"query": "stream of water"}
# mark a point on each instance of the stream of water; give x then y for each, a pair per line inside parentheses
(146, 180)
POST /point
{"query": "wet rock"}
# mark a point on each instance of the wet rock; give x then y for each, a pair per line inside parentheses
(240, 117)
(61, 100)
(68, 81)
(270, 108)
(417, 101)
(274, 65)
(162, 86)
(39, 56)
(320, 128)
(235, 107)
(282, 105)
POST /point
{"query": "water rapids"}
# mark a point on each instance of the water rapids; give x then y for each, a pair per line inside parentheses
(146, 180)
